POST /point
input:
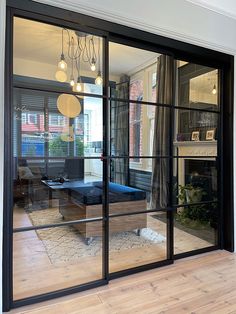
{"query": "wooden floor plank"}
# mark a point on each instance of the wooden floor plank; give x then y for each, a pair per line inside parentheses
(202, 284)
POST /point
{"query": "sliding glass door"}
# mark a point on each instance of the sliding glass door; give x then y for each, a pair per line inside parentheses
(116, 158)
(57, 140)
(139, 158)
(196, 161)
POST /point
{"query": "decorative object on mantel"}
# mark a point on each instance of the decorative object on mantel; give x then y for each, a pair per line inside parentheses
(210, 135)
(195, 136)
(181, 137)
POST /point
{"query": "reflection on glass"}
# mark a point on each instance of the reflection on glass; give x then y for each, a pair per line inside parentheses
(135, 78)
(65, 58)
(195, 126)
(137, 240)
(136, 127)
(198, 86)
(195, 227)
(41, 128)
(55, 258)
(134, 189)
(50, 191)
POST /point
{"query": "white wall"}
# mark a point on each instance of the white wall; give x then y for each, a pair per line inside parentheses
(177, 19)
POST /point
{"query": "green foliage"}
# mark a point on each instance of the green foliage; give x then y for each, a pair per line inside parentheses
(189, 194)
(59, 148)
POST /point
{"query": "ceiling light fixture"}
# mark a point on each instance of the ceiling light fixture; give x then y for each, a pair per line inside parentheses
(80, 47)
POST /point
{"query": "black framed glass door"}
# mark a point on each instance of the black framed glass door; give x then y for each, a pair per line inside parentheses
(81, 159)
(140, 157)
(115, 154)
(197, 159)
(57, 143)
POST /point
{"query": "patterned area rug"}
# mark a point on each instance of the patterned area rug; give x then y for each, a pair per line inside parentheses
(65, 244)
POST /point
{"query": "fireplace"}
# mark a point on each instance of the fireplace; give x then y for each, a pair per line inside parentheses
(202, 174)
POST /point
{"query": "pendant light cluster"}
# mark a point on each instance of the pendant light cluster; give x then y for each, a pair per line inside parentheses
(80, 47)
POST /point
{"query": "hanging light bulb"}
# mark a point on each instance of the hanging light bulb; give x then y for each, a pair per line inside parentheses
(214, 91)
(72, 81)
(62, 65)
(98, 80)
(93, 65)
(78, 85)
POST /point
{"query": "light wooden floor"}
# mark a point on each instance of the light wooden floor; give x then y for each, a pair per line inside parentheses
(34, 273)
(201, 284)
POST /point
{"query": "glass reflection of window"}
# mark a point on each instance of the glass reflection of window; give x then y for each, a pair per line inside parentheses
(136, 93)
(32, 118)
(56, 120)
(203, 88)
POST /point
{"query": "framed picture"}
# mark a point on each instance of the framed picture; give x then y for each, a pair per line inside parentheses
(210, 135)
(195, 136)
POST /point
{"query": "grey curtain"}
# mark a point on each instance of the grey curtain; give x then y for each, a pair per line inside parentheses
(161, 141)
(119, 132)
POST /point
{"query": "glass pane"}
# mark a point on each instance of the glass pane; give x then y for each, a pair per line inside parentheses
(52, 56)
(54, 190)
(137, 77)
(195, 180)
(135, 128)
(134, 189)
(137, 240)
(198, 86)
(195, 227)
(42, 129)
(197, 127)
(56, 258)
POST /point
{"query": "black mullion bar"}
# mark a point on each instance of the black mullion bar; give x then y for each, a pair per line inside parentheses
(138, 269)
(59, 293)
(197, 251)
(57, 225)
(149, 103)
(142, 102)
(59, 158)
(55, 91)
(25, 11)
(46, 128)
(172, 157)
(220, 179)
(118, 157)
(7, 262)
(105, 159)
(146, 211)
(194, 204)
(197, 109)
(170, 223)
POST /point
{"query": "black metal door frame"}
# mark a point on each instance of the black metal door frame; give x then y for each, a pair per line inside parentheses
(140, 39)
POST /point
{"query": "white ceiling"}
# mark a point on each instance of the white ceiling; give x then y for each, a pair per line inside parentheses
(225, 7)
(40, 42)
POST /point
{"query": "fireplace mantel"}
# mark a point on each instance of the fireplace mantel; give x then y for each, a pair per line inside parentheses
(207, 150)
(197, 148)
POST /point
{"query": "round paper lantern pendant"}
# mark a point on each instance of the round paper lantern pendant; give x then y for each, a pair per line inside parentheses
(68, 105)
